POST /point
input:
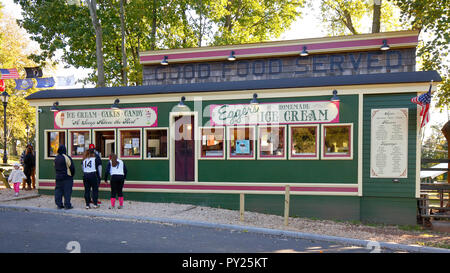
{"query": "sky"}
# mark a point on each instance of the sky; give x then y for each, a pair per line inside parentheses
(298, 30)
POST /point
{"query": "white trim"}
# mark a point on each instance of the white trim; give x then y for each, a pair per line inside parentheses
(360, 142)
(37, 151)
(259, 157)
(94, 131)
(228, 138)
(119, 144)
(172, 116)
(69, 142)
(291, 157)
(187, 191)
(418, 151)
(244, 94)
(224, 151)
(46, 140)
(336, 157)
(144, 143)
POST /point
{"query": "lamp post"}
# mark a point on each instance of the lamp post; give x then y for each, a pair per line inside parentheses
(5, 97)
(28, 130)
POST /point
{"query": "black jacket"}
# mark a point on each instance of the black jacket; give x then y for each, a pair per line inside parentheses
(28, 163)
(60, 165)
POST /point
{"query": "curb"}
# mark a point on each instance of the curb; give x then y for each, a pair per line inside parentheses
(274, 232)
(21, 198)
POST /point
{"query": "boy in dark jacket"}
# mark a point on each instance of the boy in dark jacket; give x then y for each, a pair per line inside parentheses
(64, 172)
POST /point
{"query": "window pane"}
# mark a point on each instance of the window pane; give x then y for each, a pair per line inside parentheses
(54, 140)
(271, 141)
(337, 140)
(156, 143)
(303, 141)
(130, 143)
(241, 142)
(212, 144)
(80, 142)
(105, 142)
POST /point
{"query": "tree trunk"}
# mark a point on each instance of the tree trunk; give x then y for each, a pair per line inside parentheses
(376, 20)
(153, 37)
(98, 42)
(124, 51)
(446, 132)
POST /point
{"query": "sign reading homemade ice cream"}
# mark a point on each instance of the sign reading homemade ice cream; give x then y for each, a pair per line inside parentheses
(106, 118)
(389, 143)
(275, 113)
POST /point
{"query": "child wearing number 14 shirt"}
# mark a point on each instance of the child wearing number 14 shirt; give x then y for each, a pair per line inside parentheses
(91, 177)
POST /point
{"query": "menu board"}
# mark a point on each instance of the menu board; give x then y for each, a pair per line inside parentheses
(389, 143)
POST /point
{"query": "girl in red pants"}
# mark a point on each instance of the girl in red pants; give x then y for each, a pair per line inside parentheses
(118, 172)
(16, 177)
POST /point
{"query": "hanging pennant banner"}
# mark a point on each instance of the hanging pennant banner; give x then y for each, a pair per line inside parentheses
(45, 82)
(33, 72)
(2, 85)
(24, 84)
(65, 81)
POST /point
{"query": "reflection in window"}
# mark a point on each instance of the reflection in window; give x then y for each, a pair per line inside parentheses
(212, 142)
(156, 143)
(337, 140)
(130, 143)
(105, 142)
(54, 140)
(242, 142)
(304, 141)
(80, 142)
(272, 141)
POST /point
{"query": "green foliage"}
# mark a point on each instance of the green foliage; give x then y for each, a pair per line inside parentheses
(155, 24)
(432, 18)
(344, 17)
(13, 54)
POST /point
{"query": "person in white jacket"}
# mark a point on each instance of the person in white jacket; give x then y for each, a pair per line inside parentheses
(16, 177)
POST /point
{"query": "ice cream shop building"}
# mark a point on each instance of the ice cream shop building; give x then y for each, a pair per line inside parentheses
(330, 117)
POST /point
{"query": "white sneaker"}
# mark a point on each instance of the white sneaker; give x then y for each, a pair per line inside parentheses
(16, 194)
(87, 207)
(95, 206)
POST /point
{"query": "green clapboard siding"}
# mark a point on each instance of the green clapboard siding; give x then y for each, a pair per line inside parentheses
(384, 187)
(399, 211)
(295, 171)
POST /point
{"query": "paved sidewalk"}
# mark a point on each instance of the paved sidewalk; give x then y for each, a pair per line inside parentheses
(315, 237)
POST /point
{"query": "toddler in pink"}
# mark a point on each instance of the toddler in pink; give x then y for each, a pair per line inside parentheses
(16, 177)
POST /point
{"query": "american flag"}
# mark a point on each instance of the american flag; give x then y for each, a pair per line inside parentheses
(424, 101)
(9, 74)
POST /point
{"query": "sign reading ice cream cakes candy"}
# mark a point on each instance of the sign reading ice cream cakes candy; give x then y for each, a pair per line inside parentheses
(106, 118)
(275, 113)
(389, 143)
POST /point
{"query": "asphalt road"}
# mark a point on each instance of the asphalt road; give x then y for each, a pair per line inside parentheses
(35, 232)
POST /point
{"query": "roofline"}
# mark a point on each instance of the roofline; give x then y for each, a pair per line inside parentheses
(372, 41)
(379, 78)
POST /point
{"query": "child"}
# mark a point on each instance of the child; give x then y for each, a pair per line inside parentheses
(90, 177)
(16, 177)
(118, 172)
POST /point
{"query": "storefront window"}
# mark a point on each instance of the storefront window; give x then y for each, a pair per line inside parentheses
(241, 142)
(272, 142)
(212, 142)
(79, 142)
(54, 140)
(130, 143)
(105, 142)
(156, 143)
(304, 142)
(337, 141)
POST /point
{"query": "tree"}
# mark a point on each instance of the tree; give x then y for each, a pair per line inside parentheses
(347, 16)
(158, 24)
(14, 51)
(92, 4)
(432, 19)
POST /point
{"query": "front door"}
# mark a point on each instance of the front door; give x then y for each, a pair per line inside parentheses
(184, 148)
